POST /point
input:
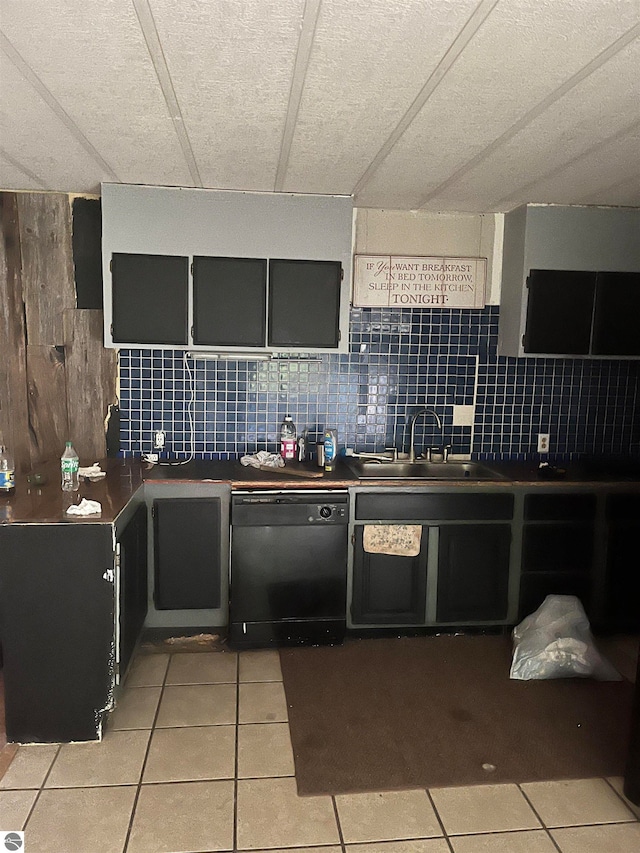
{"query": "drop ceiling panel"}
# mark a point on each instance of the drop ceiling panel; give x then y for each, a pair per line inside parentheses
(14, 178)
(231, 66)
(626, 193)
(369, 62)
(603, 168)
(35, 137)
(472, 119)
(569, 129)
(492, 86)
(93, 59)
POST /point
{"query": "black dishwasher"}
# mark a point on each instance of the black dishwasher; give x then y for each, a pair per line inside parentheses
(288, 568)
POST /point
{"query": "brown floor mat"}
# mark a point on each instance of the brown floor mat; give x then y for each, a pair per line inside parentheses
(424, 712)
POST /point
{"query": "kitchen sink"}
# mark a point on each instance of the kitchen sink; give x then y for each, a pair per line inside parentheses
(369, 469)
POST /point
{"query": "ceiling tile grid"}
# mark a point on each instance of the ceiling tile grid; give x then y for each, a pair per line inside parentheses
(95, 63)
(521, 54)
(369, 62)
(589, 115)
(441, 105)
(35, 138)
(231, 65)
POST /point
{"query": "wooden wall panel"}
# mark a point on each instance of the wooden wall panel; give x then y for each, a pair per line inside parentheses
(47, 264)
(91, 383)
(47, 390)
(56, 379)
(14, 413)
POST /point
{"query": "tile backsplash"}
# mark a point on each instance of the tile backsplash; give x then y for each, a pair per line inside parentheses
(398, 361)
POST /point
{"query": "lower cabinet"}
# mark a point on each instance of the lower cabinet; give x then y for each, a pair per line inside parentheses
(188, 547)
(131, 557)
(389, 589)
(187, 543)
(461, 575)
(57, 621)
(622, 585)
(558, 548)
(473, 573)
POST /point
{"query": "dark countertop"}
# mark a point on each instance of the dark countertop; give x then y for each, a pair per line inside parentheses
(295, 475)
(47, 503)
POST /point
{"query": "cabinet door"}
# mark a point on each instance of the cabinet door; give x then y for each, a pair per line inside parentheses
(387, 589)
(57, 622)
(473, 572)
(229, 301)
(149, 294)
(133, 584)
(304, 303)
(615, 323)
(557, 548)
(187, 546)
(559, 312)
(622, 602)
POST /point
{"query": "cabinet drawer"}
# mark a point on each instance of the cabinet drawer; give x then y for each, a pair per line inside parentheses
(564, 507)
(422, 507)
(623, 508)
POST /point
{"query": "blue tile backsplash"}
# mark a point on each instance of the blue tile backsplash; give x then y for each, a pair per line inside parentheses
(397, 361)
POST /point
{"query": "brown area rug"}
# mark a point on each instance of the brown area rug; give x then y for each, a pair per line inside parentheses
(425, 712)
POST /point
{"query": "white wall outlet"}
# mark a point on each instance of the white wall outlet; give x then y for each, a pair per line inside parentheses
(543, 442)
(159, 439)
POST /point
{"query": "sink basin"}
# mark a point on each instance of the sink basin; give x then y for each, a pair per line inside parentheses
(421, 470)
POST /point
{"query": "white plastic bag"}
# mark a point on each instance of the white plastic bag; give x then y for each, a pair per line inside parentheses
(556, 642)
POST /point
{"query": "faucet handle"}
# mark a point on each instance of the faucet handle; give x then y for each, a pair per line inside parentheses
(394, 450)
(446, 450)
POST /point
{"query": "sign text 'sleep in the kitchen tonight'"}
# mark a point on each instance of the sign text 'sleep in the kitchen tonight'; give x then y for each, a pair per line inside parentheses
(389, 281)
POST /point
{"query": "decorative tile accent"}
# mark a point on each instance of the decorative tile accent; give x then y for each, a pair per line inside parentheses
(397, 361)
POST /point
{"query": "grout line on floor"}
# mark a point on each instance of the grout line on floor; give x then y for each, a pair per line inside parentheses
(237, 757)
(438, 818)
(41, 788)
(622, 798)
(544, 826)
(146, 756)
(343, 846)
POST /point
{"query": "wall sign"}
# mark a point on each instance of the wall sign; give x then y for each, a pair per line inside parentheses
(391, 281)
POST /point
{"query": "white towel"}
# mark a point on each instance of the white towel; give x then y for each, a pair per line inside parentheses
(402, 540)
(92, 472)
(85, 507)
(263, 457)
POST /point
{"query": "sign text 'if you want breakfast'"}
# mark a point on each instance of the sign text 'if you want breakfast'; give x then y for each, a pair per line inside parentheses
(434, 282)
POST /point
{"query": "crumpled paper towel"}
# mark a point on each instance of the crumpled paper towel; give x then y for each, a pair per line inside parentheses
(92, 472)
(263, 457)
(85, 507)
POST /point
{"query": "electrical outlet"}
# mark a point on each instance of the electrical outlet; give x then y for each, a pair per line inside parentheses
(159, 440)
(150, 457)
(543, 442)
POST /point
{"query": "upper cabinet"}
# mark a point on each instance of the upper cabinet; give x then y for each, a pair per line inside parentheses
(226, 271)
(570, 282)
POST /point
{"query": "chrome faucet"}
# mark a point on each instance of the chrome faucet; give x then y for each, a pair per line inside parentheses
(412, 430)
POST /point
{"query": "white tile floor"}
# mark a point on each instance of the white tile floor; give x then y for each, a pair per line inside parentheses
(198, 758)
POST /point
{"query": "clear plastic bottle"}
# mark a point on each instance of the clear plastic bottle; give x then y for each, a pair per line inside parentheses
(69, 464)
(7, 471)
(288, 443)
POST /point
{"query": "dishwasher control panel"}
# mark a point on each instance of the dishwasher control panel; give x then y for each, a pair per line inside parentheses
(327, 512)
(289, 509)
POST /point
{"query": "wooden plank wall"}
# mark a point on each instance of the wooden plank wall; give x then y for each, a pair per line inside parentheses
(56, 379)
